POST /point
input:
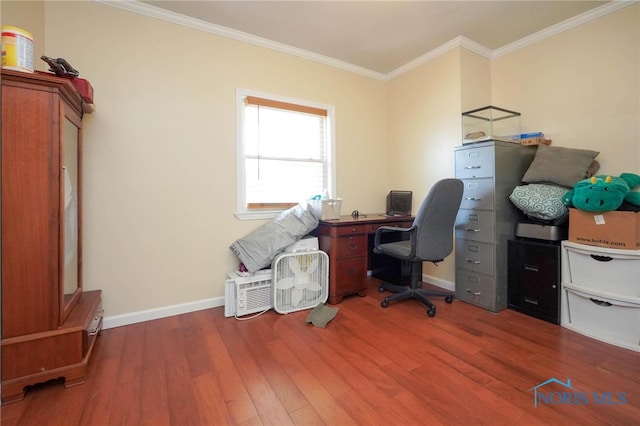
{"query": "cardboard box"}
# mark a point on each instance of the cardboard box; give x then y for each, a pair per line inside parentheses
(616, 229)
(535, 141)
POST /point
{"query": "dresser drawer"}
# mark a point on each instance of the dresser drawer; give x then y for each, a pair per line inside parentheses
(475, 162)
(475, 225)
(607, 270)
(478, 289)
(351, 246)
(478, 194)
(474, 256)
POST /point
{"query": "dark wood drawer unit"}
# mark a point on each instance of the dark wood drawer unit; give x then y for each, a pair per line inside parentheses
(347, 250)
(348, 242)
(534, 279)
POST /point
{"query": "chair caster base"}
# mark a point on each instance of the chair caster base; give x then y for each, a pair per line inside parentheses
(385, 302)
(448, 299)
(431, 312)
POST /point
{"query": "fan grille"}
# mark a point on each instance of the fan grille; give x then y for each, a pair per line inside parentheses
(300, 280)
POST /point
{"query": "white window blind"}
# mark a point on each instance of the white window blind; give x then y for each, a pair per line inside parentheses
(285, 156)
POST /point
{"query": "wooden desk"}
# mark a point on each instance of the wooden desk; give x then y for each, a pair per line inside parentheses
(346, 241)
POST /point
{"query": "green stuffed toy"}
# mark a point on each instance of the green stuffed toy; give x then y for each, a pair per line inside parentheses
(603, 193)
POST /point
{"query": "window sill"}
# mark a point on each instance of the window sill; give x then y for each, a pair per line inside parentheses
(256, 215)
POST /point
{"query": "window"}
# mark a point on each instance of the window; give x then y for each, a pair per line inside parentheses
(285, 153)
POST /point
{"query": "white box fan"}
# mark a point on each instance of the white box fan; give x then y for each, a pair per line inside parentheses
(300, 280)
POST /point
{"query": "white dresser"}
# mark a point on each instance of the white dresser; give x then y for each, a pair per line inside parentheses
(487, 219)
(601, 293)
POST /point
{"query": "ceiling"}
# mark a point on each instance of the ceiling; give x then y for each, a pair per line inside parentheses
(381, 36)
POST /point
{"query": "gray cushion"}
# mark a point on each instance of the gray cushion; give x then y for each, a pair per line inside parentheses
(258, 248)
(559, 165)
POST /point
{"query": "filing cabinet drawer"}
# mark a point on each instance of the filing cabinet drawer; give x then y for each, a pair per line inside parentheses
(478, 289)
(478, 194)
(475, 225)
(351, 246)
(475, 162)
(474, 256)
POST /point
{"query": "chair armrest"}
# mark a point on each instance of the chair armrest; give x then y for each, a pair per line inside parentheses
(385, 229)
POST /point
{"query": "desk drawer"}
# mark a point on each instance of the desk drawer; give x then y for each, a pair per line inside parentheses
(351, 276)
(351, 246)
(373, 228)
(340, 231)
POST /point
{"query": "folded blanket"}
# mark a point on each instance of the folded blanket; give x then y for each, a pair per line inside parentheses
(257, 249)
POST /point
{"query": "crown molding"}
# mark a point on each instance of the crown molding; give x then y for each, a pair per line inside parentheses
(457, 42)
(460, 41)
(198, 24)
(568, 24)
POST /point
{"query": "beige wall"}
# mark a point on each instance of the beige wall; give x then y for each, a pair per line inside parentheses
(424, 126)
(580, 88)
(475, 81)
(28, 15)
(160, 148)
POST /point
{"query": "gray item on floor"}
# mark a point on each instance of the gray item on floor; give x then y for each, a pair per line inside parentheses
(321, 315)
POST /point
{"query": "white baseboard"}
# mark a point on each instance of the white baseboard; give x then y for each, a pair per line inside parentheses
(438, 282)
(198, 305)
(167, 311)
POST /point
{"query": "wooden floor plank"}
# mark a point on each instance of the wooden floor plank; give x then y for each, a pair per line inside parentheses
(370, 365)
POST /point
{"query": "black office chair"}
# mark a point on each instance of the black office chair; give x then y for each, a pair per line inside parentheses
(430, 239)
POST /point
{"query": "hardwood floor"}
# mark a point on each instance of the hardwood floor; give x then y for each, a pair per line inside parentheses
(370, 366)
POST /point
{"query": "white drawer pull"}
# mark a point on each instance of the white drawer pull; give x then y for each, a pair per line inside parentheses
(472, 167)
(475, 293)
(472, 229)
(472, 199)
(472, 261)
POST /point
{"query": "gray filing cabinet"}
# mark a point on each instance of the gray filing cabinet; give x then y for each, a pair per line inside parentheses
(487, 219)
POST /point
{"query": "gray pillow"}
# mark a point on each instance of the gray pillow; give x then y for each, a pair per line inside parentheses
(562, 166)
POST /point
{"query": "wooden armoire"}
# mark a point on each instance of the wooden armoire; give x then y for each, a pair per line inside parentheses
(49, 325)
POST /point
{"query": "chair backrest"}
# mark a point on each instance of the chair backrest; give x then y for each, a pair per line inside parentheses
(436, 218)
